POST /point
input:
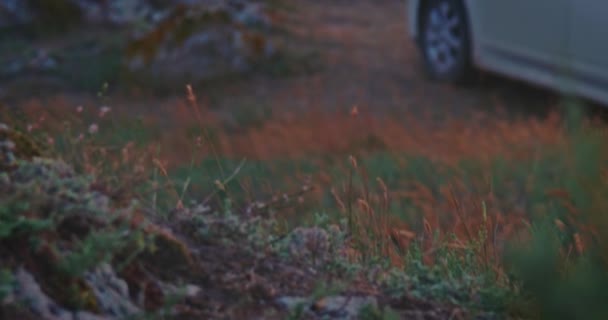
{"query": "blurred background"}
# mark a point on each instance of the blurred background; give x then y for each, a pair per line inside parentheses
(254, 55)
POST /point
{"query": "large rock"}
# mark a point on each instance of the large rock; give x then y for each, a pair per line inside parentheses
(202, 40)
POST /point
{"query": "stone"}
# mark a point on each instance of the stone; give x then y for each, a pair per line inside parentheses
(340, 307)
(14, 12)
(111, 292)
(331, 307)
(28, 292)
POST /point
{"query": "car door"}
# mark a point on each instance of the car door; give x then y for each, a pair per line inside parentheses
(589, 46)
(523, 38)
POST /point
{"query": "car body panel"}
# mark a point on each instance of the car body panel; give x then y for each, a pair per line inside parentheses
(412, 19)
(560, 50)
(589, 48)
(512, 37)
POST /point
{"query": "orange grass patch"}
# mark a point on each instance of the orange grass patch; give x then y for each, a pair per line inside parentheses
(297, 135)
(331, 134)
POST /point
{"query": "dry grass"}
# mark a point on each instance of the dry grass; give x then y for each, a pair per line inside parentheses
(455, 208)
(472, 213)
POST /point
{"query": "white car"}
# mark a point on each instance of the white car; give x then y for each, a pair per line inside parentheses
(558, 44)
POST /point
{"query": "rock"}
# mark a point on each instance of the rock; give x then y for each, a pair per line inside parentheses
(340, 307)
(188, 291)
(309, 243)
(28, 292)
(42, 61)
(128, 11)
(251, 14)
(14, 12)
(292, 302)
(205, 40)
(111, 292)
(332, 307)
(14, 67)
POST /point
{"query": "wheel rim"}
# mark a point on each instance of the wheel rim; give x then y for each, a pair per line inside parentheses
(444, 37)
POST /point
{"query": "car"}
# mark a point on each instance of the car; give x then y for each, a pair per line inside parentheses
(558, 44)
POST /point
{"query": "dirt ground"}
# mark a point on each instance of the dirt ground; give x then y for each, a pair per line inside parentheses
(370, 62)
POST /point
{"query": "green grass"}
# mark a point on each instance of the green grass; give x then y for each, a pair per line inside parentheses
(6, 283)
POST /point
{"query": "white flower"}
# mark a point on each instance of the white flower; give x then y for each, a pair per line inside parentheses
(103, 110)
(93, 128)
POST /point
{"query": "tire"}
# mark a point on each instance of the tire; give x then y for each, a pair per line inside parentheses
(444, 41)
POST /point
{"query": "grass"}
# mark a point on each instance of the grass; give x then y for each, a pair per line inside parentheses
(446, 216)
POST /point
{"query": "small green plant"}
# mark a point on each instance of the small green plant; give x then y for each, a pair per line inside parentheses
(325, 289)
(297, 312)
(7, 283)
(557, 288)
(13, 223)
(562, 264)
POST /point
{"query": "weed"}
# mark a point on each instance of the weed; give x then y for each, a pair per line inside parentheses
(7, 283)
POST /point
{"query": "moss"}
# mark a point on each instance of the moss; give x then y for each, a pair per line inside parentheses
(168, 255)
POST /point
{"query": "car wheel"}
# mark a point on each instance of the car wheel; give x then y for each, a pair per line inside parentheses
(445, 41)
